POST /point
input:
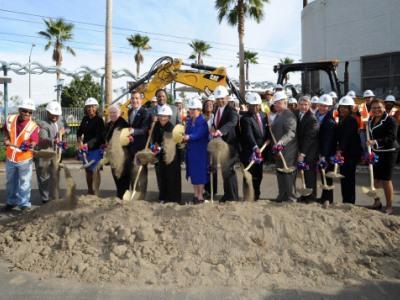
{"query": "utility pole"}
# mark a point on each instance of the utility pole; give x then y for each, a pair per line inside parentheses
(29, 75)
(108, 62)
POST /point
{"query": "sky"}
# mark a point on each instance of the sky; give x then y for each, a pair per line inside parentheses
(170, 24)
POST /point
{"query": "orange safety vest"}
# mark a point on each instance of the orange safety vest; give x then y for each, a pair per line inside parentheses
(364, 115)
(335, 115)
(14, 154)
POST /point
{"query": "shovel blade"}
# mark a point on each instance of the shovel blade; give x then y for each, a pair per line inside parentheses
(305, 192)
(286, 171)
(327, 187)
(88, 164)
(334, 175)
(45, 154)
(370, 192)
(127, 195)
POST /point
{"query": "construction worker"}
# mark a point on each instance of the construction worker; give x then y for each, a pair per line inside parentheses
(314, 104)
(351, 94)
(349, 147)
(361, 113)
(90, 138)
(326, 141)
(254, 133)
(181, 109)
(278, 88)
(284, 131)
(292, 104)
(307, 141)
(265, 105)
(224, 126)
(334, 97)
(390, 101)
(21, 135)
(50, 137)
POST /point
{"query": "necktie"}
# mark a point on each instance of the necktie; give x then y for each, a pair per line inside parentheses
(218, 117)
(260, 126)
(301, 116)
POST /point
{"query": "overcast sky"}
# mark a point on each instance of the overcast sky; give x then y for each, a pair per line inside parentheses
(170, 24)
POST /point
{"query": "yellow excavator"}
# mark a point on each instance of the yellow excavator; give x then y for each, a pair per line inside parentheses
(167, 70)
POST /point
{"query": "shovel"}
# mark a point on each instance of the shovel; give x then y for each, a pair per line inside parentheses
(334, 174)
(371, 191)
(324, 184)
(38, 153)
(304, 191)
(285, 168)
(211, 181)
(129, 195)
(86, 163)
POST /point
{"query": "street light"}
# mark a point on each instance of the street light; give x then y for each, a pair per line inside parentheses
(30, 54)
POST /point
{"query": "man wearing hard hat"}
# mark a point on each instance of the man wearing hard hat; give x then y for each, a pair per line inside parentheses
(21, 135)
(50, 137)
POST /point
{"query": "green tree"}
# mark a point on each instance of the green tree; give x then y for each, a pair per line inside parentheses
(286, 61)
(249, 58)
(58, 32)
(200, 49)
(75, 94)
(139, 42)
(235, 12)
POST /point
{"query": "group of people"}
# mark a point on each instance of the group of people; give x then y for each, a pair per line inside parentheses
(310, 134)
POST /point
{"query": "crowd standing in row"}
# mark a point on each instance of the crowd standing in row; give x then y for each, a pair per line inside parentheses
(312, 134)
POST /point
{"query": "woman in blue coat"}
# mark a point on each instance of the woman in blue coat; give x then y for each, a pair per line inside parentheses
(196, 137)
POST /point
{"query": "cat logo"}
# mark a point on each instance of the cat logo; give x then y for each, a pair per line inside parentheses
(214, 77)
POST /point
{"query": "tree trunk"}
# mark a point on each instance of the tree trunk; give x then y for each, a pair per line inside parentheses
(138, 63)
(198, 58)
(108, 58)
(247, 75)
(241, 47)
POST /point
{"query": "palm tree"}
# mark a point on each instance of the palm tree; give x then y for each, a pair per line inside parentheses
(286, 61)
(249, 58)
(108, 58)
(139, 42)
(235, 12)
(57, 33)
(200, 49)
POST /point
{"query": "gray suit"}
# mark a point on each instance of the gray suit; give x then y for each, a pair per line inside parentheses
(284, 129)
(46, 169)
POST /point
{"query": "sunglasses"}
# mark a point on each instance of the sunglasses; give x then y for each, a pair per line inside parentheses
(26, 111)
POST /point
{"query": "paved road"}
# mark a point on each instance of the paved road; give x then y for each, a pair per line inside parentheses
(20, 285)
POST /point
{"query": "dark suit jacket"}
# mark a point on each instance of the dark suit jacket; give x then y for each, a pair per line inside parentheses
(327, 136)
(348, 138)
(251, 136)
(111, 126)
(307, 135)
(141, 125)
(385, 133)
(227, 125)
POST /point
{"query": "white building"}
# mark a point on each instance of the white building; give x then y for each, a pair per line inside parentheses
(366, 33)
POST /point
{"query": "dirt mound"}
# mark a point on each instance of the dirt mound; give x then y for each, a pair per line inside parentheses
(236, 244)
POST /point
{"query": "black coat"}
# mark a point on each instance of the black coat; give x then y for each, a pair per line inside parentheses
(111, 126)
(349, 142)
(384, 132)
(228, 125)
(327, 136)
(141, 125)
(251, 136)
(307, 135)
(92, 130)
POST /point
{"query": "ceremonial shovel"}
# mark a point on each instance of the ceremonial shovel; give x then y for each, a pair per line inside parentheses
(304, 191)
(335, 174)
(39, 153)
(324, 185)
(285, 168)
(371, 191)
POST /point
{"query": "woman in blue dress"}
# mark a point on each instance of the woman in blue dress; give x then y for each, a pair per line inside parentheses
(196, 137)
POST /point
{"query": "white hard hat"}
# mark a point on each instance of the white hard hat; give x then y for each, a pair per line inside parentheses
(220, 92)
(325, 99)
(346, 100)
(154, 99)
(54, 108)
(269, 89)
(195, 103)
(91, 101)
(230, 99)
(352, 94)
(253, 98)
(235, 99)
(333, 94)
(390, 98)
(278, 86)
(368, 93)
(178, 100)
(315, 99)
(278, 96)
(27, 103)
(292, 101)
(210, 98)
(164, 110)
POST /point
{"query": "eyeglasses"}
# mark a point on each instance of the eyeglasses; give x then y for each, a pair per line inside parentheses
(29, 112)
(375, 107)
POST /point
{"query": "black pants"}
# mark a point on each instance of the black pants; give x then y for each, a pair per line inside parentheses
(230, 179)
(169, 180)
(122, 184)
(327, 195)
(348, 183)
(310, 178)
(256, 172)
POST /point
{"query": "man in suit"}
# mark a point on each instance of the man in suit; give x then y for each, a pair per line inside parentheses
(224, 126)
(326, 139)
(307, 141)
(139, 122)
(162, 97)
(284, 130)
(254, 133)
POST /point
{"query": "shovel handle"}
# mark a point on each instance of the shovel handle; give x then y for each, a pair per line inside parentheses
(303, 181)
(370, 168)
(211, 181)
(253, 161)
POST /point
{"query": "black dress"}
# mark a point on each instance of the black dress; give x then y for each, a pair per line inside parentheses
(168, 176)
(385, 133)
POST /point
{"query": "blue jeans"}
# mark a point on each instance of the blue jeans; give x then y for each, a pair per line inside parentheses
(19, 183)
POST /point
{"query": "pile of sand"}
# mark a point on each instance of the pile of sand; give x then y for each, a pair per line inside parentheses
(235, 244)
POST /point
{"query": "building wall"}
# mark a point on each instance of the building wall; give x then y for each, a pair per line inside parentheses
(348, 29)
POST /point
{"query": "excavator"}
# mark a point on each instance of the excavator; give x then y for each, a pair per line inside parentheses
(167, 70)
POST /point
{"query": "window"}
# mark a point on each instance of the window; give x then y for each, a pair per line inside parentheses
(381, 73)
